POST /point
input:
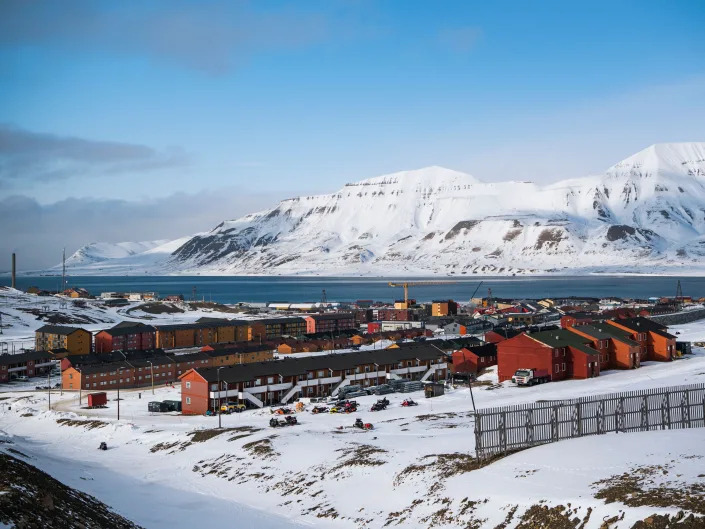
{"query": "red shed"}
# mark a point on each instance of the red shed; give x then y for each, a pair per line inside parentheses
(97, 399)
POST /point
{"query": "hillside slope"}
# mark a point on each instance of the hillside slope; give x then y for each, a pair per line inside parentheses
(644, 214)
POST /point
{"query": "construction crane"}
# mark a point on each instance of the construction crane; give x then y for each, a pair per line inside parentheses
(406, 284)
(478, 288)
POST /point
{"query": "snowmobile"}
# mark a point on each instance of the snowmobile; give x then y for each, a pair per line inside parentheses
(288, 421)
(409, 402)
(378, 406)
(319, 409)
(282, 411)
(103, 446)
(362, 425)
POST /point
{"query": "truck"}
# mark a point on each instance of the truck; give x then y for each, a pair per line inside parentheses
(530, 377)
(97, 400)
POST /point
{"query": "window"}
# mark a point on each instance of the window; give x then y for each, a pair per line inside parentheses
(563, 366)
(556, 353)
(188, 399)
(321, 374)
(270, 380)
(557, 368)
(188, 385)
(367, 369)
(258, 382)
(70, 375)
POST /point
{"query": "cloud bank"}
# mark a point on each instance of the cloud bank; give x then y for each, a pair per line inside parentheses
(39, 232)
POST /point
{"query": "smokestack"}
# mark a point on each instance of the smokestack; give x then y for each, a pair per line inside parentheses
(14, 269)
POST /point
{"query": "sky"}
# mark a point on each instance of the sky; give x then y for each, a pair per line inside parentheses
(157, 119)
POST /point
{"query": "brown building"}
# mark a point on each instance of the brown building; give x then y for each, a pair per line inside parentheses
(312, 376)
(654, 340)
(200, 333)
(74, 339)
(28, 363)
(126, 336)
(617, 350)
(444, 308)
(330, 322)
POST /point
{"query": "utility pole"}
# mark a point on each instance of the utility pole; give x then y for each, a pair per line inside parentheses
(151, 375)
(219, 405)
(63, 271)
(49, 387)
(118, 393)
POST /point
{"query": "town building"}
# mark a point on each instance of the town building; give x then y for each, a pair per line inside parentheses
(473, 359)
(27, 363)
(205, 331)
(329, 322)
(617, 350)
(126, 336)
(562, 353)
(75, 340)
(444, 308)
(280, 381)
(654, 340)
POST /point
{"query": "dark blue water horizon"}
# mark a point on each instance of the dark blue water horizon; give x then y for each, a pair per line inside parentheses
(232, 289)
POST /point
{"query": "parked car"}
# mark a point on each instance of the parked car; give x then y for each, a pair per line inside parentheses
(22, 378)
(232, 407)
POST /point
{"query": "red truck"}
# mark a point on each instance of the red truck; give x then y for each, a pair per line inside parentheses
(96, 400)
(529, 377)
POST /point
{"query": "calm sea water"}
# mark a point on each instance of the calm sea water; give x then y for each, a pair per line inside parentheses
(301, 289)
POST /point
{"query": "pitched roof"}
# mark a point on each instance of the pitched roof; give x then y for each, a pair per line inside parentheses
(485, 350)
(563, 338)
(332, 316)
(299, 366)
(129, 327)
(640, 324)
(59, 329)
(605, 331)
(21, 358)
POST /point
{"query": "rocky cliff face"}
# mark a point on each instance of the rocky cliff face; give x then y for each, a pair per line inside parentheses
(646, 211)
(644, 214)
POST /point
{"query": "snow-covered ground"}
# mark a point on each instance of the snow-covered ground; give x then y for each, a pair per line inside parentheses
(415, 469)
(23, 313)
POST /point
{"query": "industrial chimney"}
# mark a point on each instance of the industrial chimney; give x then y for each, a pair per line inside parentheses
(14, 270)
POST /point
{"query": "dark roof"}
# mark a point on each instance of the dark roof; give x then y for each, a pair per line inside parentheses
(90, 369)
(332, 316)
(202, 323)
(238, 347)
(488, 349)
(583, 315)
(20, 358)
(605, 331)
(506, 332)
(59, 329)
(295, 319)
(298, 366)
(129, 327)
(563, 338)
(641, 324)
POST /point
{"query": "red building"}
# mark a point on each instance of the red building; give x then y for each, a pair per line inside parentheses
(572, 319)
(330, 322)
(617, 350)
(563, 354)
(126, 336)
(29, 364)
(473, 359)
(499, 335)
(654, 340)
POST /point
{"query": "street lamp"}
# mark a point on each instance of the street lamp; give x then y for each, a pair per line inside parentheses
(151, 375)
(219, 423)
(118, 393)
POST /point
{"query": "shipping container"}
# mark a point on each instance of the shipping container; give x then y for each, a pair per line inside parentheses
(156, 406)
(97, 399)
(173, 405)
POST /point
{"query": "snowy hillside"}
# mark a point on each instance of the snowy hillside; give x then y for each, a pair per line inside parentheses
(415, 469)
(644, 214)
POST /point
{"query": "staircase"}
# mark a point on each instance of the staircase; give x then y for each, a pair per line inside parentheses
(341, 384)
(393, 376)
(428, 373)
(244, 395)
(296, 389)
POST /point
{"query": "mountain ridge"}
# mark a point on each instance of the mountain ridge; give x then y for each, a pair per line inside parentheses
(645, 213)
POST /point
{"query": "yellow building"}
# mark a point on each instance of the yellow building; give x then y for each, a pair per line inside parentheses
(75, 340)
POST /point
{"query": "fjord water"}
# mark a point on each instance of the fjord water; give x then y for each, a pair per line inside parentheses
(300, 289)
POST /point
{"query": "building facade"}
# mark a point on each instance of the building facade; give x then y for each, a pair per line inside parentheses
(74, 339)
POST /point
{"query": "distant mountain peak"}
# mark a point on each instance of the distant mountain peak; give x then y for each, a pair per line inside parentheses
(664, 159)
(431, 176)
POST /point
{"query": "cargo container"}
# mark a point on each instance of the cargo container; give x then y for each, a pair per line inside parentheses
(158, 407)
(433, 389)
(96, 400)
(173, 405)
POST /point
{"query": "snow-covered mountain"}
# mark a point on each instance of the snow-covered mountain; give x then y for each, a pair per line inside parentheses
(644, 214)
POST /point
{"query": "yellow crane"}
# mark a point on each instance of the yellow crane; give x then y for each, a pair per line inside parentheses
(406, 284)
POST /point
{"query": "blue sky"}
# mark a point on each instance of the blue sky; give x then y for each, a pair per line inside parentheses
(255, 101)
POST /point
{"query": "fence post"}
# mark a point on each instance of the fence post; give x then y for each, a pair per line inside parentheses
(664, 412)
(685, 409)
(644, 414)
(503, 431)
(554, 423)
(530, 427)
(619, 416)
(478, 435)
(601, 417)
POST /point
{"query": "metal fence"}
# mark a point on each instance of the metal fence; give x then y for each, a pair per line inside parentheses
(508, 428)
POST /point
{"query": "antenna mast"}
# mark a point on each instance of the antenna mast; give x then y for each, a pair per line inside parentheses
(63, 271)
